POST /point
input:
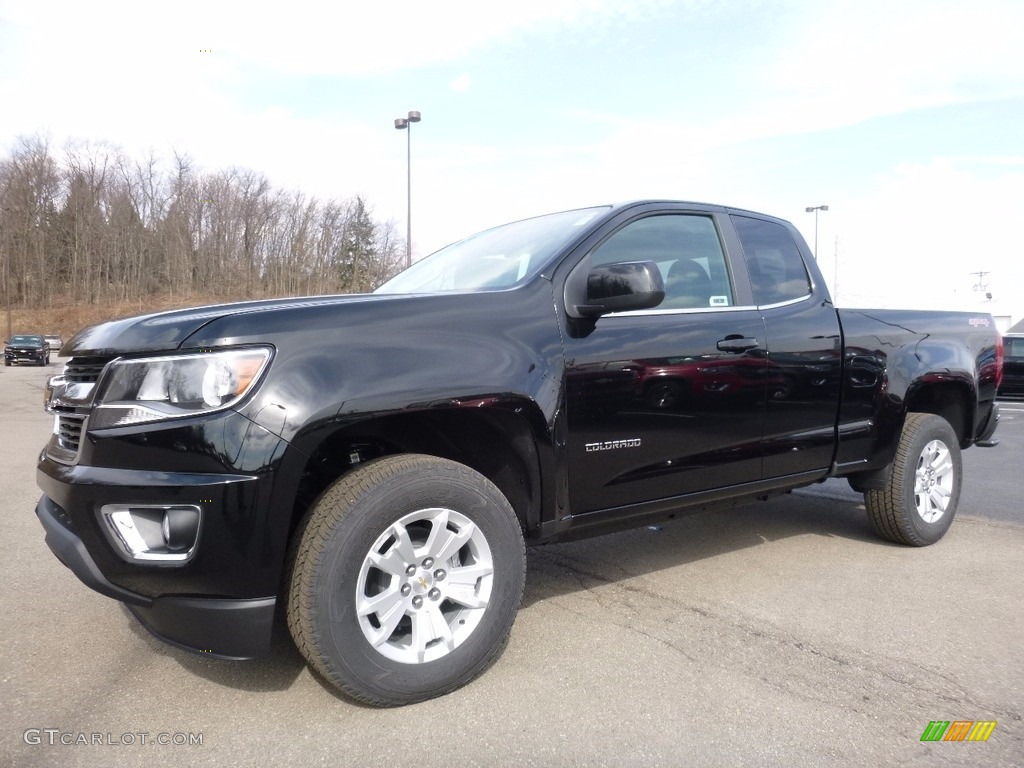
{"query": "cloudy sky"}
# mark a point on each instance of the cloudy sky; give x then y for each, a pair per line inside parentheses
(906, 118)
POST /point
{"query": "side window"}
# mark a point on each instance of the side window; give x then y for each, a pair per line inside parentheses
(777, 271)
(686, 249)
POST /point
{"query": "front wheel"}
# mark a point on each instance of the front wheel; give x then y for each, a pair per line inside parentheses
(920, 498)
(406, 577)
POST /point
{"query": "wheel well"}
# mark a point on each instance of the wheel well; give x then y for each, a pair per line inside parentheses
(498, 444)
(951, 401)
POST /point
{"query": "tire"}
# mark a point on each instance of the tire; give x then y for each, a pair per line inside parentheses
(405, 580)
(920, 497)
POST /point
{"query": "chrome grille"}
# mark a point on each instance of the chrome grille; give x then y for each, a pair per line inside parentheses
(69, 397)
(69, 432)
(85, 370)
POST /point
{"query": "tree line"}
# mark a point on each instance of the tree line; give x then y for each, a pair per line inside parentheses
(90, 225)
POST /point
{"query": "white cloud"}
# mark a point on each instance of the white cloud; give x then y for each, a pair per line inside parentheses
(302, 36)
(914, 239)
(847, 62)
(461, 83)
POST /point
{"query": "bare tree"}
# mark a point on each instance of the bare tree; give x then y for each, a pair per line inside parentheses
(30, 185)
(99, 226)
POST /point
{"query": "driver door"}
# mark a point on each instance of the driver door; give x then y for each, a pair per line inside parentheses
(669, 401)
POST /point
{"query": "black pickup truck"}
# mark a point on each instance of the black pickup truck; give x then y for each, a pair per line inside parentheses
(371, 466)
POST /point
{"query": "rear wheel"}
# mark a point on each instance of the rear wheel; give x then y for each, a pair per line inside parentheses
(919, 500)
(406, 578)
(665, 395)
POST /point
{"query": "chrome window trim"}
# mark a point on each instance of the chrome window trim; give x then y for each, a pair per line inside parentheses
(786, 303)
(701, 310)
(679, 311)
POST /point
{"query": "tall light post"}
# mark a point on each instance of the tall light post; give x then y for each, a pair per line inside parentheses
(405, 123)
(815, 209)
(7, 276)
(7, 291)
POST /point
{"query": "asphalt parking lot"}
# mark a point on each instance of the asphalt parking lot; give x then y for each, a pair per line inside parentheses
(781, 633)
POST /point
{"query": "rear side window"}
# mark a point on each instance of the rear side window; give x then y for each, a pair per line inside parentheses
(686, 249)
(1014, 347)
(777, 272)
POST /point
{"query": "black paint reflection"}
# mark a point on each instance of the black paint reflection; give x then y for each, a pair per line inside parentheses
(681, 417)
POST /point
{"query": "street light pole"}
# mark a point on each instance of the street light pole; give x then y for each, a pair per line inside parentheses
(7, 282)
(405, 123)
(7, 291)
(816, 208)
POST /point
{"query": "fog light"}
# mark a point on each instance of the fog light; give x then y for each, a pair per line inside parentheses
(180, 526)
(152, 533)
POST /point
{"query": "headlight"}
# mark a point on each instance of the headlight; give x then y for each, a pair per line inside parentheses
(159, 388)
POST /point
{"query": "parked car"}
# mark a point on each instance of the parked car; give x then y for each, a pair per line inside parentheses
(55, 342)
(26, 349)
(370, 467)
(1013, 365)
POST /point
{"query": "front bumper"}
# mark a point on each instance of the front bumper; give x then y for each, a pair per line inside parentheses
(223, 628)
(220, 600)
(24, 357)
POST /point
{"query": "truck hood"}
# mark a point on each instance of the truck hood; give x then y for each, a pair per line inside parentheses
(162, 331)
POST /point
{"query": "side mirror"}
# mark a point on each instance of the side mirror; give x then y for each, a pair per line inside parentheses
(622, 287)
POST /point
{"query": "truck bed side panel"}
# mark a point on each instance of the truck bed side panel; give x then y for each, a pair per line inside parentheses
(889, 356)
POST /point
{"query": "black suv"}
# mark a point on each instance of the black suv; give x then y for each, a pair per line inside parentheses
(1013, 365)
(27, 349)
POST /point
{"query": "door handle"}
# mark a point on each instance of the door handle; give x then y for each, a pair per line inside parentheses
(737, 344)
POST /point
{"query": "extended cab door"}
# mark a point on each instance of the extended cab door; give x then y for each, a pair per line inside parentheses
(667, 401)
(804, 347)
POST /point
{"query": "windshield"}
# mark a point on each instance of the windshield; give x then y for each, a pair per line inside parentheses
(494, 259)
(27, 341)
